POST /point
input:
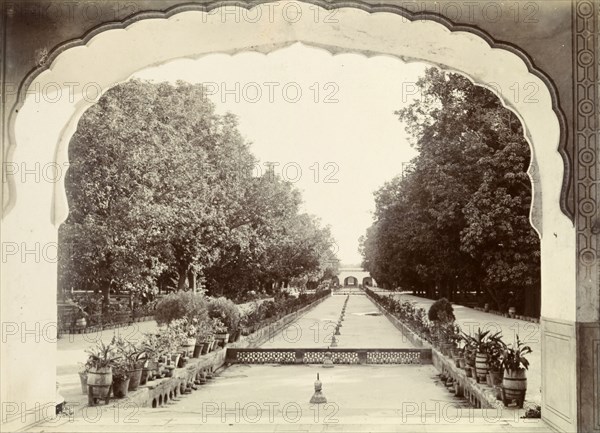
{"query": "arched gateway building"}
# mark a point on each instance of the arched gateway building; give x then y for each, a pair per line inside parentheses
(355, 275)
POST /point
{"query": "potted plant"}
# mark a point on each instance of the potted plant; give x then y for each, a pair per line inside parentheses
(480, 343)
(469, 354)
(81, 319)
(191, 331)
(80, 316)
(495, 350)
(458, 355)
(228, 313)
(221, 336)
(99, 371)
(514, 364)
(135, 358)
(177, 334)
(121, 373)
(204, 335)
(151, 352)
(170, 339)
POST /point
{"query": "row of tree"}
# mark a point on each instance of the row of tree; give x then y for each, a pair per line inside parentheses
(162, 193)
(458, 221)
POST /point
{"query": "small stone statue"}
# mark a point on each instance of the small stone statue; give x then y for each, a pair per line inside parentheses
(334, 342)
(318, 397)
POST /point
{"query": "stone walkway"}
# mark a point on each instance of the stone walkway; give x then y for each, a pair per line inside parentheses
(363, 327)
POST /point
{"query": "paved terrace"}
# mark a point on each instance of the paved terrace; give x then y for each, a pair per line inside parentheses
(276, 398)
(398, 398)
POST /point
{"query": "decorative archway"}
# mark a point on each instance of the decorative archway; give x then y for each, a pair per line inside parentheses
(350, 281)
(86, 68)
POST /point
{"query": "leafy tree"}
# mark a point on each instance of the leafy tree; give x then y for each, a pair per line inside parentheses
(162, 193)
(459, 219)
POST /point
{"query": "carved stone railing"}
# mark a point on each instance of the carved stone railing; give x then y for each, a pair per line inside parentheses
(318, 356)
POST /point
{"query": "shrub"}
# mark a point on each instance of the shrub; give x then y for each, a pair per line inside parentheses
(179, 305)
(267, 309)
(226, 311)
(441, 311)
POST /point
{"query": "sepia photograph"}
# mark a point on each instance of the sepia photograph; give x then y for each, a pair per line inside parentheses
(300, 216)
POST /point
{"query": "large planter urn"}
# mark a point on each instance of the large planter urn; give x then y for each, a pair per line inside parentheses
(99, 382)
(481, 366)
(514, 387)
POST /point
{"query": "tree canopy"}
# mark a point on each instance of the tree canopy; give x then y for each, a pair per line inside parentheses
(161, 192)
(459, 219)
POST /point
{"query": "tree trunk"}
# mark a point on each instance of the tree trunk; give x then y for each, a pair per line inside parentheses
(105, 298)
(192, 280)
(182, 278)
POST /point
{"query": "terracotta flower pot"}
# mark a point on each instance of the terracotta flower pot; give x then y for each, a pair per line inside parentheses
(223, 336)
(120, 387)
(197, 350)
(135, 377)
(144, 376)
(188, 348)
(495, 377)
(205, 347)
(152, 367)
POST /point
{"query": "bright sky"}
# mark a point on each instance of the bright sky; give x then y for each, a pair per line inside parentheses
(337, 152)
